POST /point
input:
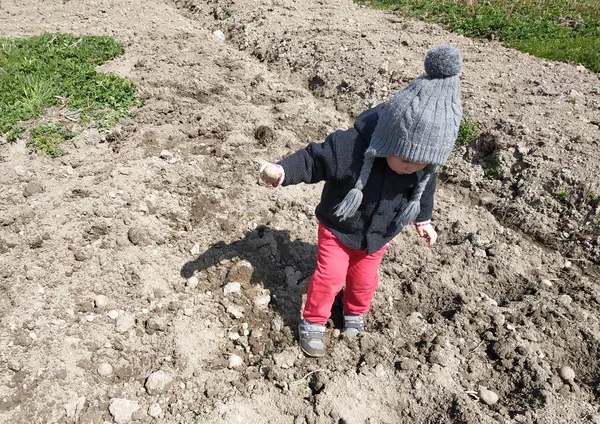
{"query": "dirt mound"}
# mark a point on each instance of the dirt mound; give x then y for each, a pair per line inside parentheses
(203, 269)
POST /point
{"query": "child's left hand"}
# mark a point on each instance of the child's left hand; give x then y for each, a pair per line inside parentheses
(428, 233)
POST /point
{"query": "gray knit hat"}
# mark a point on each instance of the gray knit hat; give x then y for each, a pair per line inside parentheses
(418, 124)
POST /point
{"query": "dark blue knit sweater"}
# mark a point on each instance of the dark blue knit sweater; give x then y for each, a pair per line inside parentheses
(338, 161)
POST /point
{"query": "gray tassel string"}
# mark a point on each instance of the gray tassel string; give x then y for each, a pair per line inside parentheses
(410, 213)
(348, 207)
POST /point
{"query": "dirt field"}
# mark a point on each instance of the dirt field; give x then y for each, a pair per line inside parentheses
(116, 259)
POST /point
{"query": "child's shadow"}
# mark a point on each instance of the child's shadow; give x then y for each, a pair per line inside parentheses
(280, 264)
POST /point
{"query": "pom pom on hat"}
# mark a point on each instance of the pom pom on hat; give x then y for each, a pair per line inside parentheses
(443, 61)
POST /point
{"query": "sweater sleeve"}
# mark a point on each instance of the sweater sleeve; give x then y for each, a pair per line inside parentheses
(427, 200)
(316, 162)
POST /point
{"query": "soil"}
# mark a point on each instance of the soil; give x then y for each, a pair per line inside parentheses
(163, 212)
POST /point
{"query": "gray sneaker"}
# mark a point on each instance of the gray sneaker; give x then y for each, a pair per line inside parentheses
(312, 338)
(353, 324)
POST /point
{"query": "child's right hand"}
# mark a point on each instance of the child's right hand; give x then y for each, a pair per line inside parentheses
(271, 174)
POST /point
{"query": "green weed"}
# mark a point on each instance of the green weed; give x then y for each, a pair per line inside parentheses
(59, 70)
(592, 198)
(563, 30)
(492, 167)
(14, 134)
(467, 132)
(46, 140)
(562, 195)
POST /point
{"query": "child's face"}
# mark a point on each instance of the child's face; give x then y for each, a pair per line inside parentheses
(402, 166)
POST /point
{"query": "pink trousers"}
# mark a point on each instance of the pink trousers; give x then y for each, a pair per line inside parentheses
(336, 265)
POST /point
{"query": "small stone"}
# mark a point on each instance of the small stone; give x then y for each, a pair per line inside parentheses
(158, 382)
(499, 320)
(74, 407)
(166, 155)
(235, 312)
(479, 253)
(101, 301)
(567, 265)
(262, 301)
(105, 369)
(336, 333)
(90, 317)
(547, 282)
(487, 396)
(234, 336)
(122, 409)
(20, 170)
(380, 371)
(567, 373)
(37, 242)
(33, 335)
(192, 282)
(154, 410)
(125, 323)
(233, 287)
(219, 34)
(155, 324)
(235, 361)
(138, 236)
(32, 188)
(82, 255)
(195, 250)
(113, 314)
(565, 299)
(14, 365)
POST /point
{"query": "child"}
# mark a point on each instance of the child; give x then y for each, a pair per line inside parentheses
(380, 176)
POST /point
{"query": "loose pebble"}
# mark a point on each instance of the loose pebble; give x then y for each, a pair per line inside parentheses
(166, 155)
(32, 188)
(220, 35)
(90, 317)
(568, 265)
(101, 301)
(336, 333)
(565, 299)
(154, 410)
(105, 369)
(235, 312)
(233, 287)
(122, 409)
(33, 336)
(262, 301)
(547, 282)
(113, 314)
(195, 250)
(235, 361)
(487, 396)
(192, 282)
(158, 382)
(125, 323)
(567, 373)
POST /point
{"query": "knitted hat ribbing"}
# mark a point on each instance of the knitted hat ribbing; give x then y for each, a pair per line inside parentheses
(418, 124)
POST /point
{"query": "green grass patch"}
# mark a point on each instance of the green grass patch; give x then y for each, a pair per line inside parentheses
(59, 70)
(562, 30)
(47, 139)
(467, 132)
